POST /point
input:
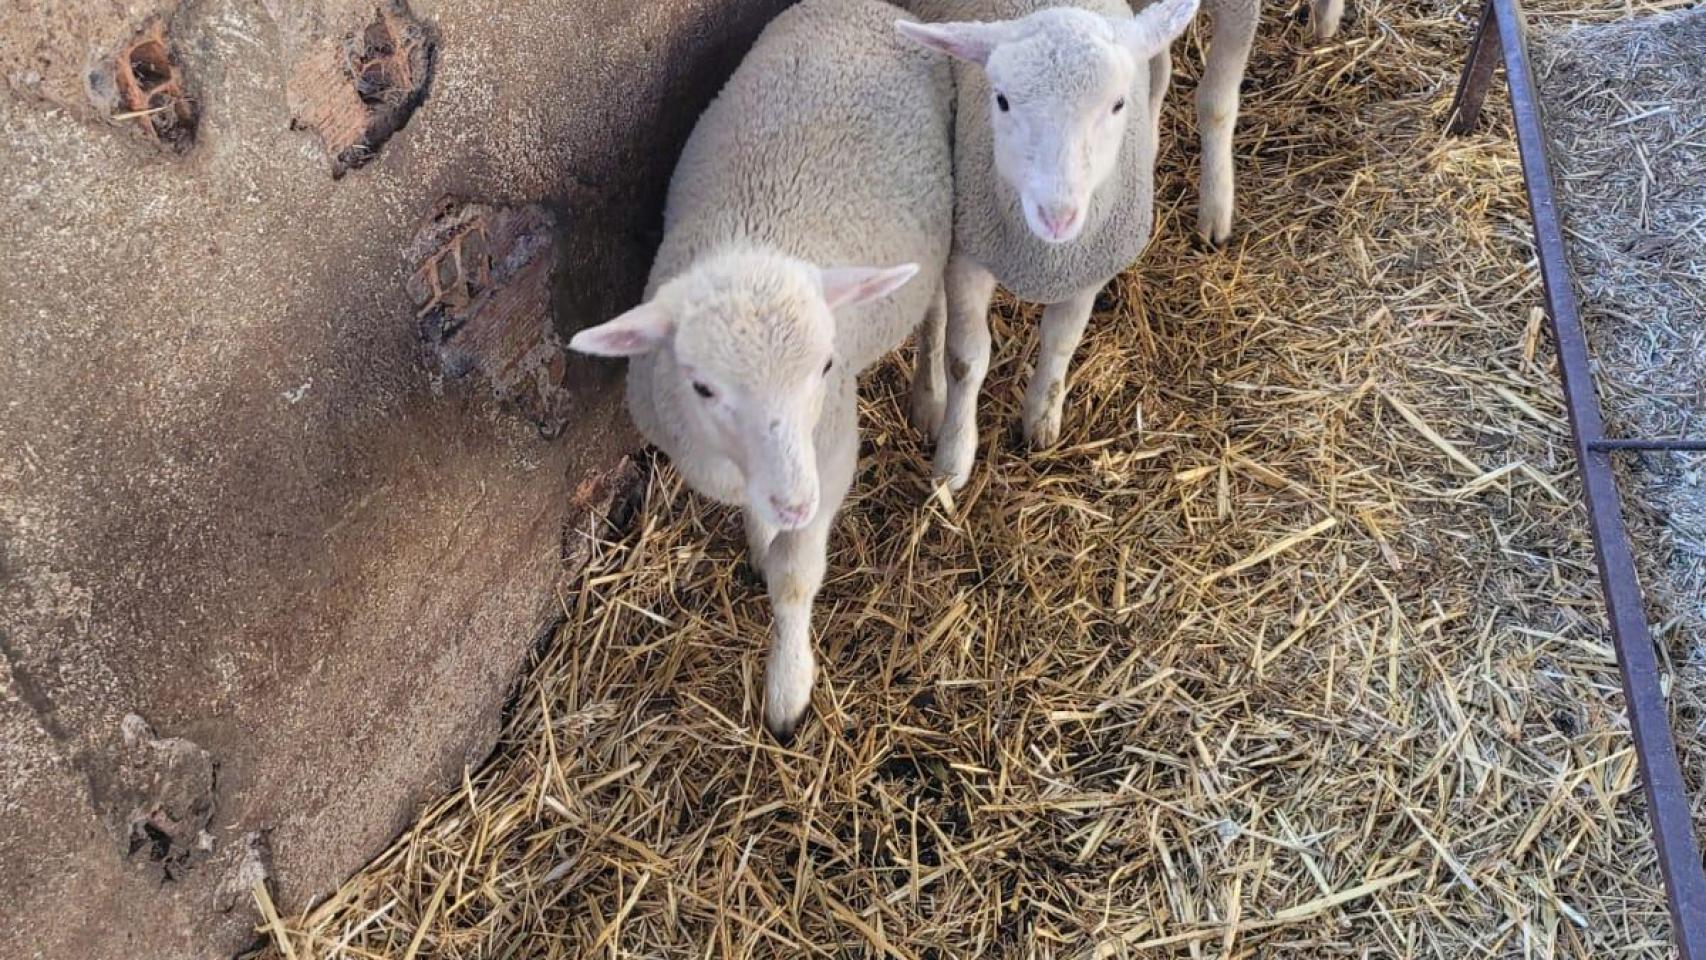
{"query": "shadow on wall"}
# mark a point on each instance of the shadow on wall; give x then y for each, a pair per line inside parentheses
(620, 185)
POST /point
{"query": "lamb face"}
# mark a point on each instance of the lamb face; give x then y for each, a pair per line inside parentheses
(746, 344)
(1064, 83)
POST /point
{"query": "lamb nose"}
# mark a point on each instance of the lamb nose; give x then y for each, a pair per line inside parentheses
(1058, 220)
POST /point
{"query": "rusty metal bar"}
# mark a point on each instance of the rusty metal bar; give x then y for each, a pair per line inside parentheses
(1667, 800)
(1679, 445)
(1477, 74)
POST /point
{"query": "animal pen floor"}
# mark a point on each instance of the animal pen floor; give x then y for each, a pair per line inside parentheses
(1293, 647)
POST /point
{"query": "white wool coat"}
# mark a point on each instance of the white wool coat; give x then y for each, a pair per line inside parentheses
(831, 143)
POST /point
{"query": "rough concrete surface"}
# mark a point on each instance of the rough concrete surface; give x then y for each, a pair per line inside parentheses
(265, 579)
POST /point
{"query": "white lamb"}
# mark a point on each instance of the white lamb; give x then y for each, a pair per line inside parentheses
(1217, 95)
(1054, 154)
(830, 147)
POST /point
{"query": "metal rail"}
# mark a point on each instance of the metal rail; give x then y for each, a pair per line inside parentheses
(1674, 446)
(1500, 35)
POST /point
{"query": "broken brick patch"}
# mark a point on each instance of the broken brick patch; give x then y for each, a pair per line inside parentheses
(164, 788)
(481, 280)
(142, 85)
(355, 91)
(603, 501)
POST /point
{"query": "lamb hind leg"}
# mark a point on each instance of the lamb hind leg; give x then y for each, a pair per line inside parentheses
(929, 379)
(1217, 111)
(970, 287)
(1062, 330)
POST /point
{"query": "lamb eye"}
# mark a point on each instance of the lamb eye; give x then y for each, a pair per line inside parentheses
(828, 365)
(703, 390)
(1001, 101)
(1119, 105)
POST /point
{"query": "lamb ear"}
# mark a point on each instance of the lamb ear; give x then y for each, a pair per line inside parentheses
(851, 286)
(970, 41)
(1156, 27)
(639, 331)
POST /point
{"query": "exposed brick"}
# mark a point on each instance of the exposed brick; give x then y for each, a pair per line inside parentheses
(481, 278)
(355, 91)
(150, 91)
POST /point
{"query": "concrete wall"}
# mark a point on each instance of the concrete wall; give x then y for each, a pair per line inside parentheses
(266, 576)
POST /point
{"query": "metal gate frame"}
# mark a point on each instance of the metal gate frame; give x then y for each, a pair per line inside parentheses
(1501, 36)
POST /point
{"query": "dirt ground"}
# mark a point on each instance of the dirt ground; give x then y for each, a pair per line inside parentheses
(1292, 648)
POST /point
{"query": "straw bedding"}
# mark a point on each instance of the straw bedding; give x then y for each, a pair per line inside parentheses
(1291, 648)
(1626, 110)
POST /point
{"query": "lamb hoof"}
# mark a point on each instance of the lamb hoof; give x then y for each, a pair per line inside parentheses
(783, 720)
(955, 481)
(955, 454)
(1214, 228)
(1045, 432)
(954, 475)
(782, 733)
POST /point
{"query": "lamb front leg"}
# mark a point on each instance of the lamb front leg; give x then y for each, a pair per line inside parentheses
(1324, 16)
(1217, 111)
(794, 572)
(1062, 329)
(1160, 78)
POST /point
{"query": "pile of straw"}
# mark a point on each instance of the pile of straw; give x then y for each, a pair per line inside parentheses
(1626, 111)
(1291, 648)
